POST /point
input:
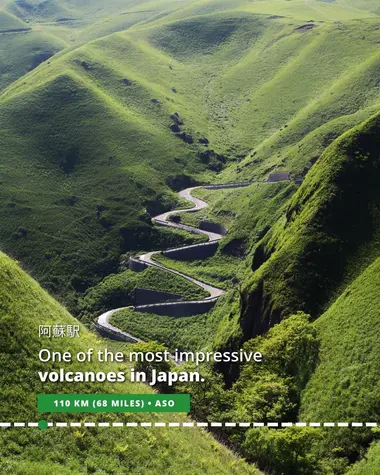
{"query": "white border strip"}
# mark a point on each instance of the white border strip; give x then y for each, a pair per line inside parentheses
(271, 425)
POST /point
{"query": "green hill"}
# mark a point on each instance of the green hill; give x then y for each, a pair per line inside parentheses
(345, 383)
(327, 236)
(78, 15)
(107, 106)
(25, 306)
(87, 158)
(21, 52)
(320, 257)
(22, 49)
(116, 290)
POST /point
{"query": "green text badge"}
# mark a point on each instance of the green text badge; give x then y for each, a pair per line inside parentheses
(114, 403)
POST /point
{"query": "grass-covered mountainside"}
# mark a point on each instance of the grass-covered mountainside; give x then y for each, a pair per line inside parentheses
(247, 213)
(327, 235)
(92, 170)
(107, 109)
(321, 257)
(22, 48)
(87, 144)
(345, 383)
(321, 371)
(24, 306)
(188, 333)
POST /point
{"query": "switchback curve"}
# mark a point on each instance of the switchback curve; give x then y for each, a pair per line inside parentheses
(146, 260)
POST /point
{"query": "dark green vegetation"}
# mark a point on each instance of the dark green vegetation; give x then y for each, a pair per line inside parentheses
(370, 464)
(346, 384)
(24, 306)
(137, 100)
(268, 392)
(322, 371)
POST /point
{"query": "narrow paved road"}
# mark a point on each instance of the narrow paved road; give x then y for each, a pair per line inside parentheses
(163, 219)
(147, 259)
(103, 323)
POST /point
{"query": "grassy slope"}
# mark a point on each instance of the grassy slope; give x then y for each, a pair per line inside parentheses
(369, 465)
(327, 237)
(24, 306)
(297, 9)
(274, 56)
(324, 90)
(52, 9)
(329, 233)
(315, 9)
(22, 51)
(366, 5)
(187, 333)
(345, 385)
(196, 66)
(68, 126)
(247, 213)
(79, 22)
(56, 9)
(292, 133)
(10, 22)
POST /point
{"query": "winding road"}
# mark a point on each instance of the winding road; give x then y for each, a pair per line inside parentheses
(103, 325)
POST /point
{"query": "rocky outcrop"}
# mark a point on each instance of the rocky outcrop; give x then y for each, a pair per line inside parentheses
(175, 128)
(175, 118)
